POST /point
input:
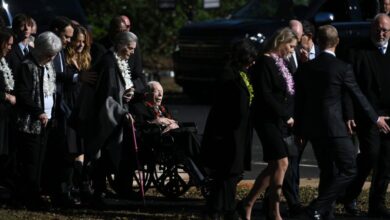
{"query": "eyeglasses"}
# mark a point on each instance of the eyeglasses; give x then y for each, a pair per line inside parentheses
(382, 30)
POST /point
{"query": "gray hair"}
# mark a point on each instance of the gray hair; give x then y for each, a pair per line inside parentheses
(47, 44)
(123, 39)
(150, 86)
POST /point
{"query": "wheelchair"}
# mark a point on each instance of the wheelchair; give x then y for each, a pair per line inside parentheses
(168, 162)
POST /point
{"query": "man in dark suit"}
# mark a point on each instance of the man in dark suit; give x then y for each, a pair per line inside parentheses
(320, 85)
(371, 62)
(61, 139)
(21, 26)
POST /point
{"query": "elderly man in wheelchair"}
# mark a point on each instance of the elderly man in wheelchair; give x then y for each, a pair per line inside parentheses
(168, 147)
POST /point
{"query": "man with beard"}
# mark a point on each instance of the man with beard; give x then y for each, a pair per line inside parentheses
(371, 62)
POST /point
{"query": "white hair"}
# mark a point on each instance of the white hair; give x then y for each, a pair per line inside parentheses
(47, 44)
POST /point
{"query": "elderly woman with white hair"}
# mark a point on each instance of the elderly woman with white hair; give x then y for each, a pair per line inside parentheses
(113, 93)
(35, 91)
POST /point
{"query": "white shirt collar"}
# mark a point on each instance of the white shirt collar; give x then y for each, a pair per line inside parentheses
(330, 52)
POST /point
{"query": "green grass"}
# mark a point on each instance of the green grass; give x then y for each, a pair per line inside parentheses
(135, 213)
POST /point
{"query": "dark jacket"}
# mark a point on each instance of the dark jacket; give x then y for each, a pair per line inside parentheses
(320, 85)
(226, 143)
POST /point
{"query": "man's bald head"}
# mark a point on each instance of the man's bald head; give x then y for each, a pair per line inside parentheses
(126, 21)
(296, 26)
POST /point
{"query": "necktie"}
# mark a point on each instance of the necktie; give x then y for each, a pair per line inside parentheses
(25, 51)
(382, 50)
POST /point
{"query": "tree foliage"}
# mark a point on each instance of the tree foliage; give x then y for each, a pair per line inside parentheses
(157, 29)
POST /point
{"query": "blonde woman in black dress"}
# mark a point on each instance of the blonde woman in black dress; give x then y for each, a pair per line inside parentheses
(272, 112)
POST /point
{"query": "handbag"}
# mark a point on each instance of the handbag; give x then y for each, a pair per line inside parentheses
(292, 147)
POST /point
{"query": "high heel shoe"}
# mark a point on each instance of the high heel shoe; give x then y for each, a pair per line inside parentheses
(240, 208)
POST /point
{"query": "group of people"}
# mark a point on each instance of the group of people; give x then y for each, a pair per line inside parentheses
(67, 106)
(296, 91)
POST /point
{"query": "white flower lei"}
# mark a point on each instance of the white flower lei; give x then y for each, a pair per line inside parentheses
(125, 71)
(49, 80)
(8, 76)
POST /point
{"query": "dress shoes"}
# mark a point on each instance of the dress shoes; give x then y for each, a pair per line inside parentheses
(380, 212)
(313, 214)
(296, 210)
(66, 200)
(351, 208)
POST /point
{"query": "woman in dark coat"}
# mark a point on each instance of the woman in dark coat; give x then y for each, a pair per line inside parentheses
(226, 144)
(7, 103)
(272, 114)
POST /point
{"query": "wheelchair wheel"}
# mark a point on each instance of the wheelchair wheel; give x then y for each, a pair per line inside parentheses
(172, 178)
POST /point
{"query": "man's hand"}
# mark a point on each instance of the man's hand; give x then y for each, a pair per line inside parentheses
(43, 119)
(10, 98)
(351, 125)
(170, 127)
(88, 77)
(163, 121)
(382, 125)
(290, 122)
(304, 55)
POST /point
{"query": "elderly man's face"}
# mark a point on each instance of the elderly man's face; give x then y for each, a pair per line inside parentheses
(157, 94)
(380, 31)
(126, 51)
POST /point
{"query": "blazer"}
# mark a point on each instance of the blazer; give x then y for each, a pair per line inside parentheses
(369, 73)
(320, 86)
(15, 58)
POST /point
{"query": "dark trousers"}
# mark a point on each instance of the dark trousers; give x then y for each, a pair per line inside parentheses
(291, 182)
(374, 156)
(30, 156)
(336, 158)
(222, 195)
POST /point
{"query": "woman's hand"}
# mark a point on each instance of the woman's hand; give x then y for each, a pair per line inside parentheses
(43, 119)
(128, 95)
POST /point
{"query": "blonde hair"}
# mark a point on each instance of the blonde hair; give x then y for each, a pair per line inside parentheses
(281, 36)
(83, 59)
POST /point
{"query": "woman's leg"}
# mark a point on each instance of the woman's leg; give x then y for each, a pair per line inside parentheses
(261, 183)
(276, 186)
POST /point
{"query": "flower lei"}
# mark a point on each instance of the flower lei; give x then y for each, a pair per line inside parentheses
(159, 111)
(49, 81)
(249, 86)
(125, 71)
(8, 76)
(280, 63)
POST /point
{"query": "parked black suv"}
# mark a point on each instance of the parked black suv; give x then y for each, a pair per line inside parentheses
(202, 46)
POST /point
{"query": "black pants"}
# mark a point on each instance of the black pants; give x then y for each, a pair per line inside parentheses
(336, 158)
(30, 156)
(222, 195)
(374, 156)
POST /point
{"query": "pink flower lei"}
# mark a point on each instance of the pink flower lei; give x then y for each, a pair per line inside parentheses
(280, 63)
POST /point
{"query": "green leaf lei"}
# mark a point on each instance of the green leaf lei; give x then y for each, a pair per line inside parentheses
(249, 86)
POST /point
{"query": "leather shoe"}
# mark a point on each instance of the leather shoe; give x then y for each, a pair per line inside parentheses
(313, 214)
(351, 208)
(296, 210)
(380, 212)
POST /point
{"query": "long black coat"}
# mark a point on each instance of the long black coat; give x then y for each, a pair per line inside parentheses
(5, 114)
(110, 109)
(226, 144)
(320, 86)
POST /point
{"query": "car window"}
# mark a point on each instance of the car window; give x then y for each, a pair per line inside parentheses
(273, 9)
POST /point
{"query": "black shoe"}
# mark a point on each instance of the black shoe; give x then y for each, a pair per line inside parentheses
(380, 212)
(296, 210)
(313, 214)
(351, 208)
(66, 200)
